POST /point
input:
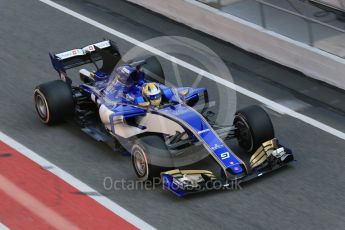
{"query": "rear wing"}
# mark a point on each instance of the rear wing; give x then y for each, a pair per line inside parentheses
(88, 54)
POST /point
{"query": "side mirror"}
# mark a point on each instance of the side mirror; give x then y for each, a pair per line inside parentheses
(184, 92)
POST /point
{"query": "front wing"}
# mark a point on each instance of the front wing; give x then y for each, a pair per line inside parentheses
(268, 158)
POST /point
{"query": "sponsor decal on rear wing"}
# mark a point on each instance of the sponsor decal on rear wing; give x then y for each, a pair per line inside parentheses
(77, 57)
(83, 51)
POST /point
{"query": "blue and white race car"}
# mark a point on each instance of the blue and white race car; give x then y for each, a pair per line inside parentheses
(165, 129)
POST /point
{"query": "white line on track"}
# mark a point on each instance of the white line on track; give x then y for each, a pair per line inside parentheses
(3, 227)
(35, 206)
(102, 200)
(269, 103)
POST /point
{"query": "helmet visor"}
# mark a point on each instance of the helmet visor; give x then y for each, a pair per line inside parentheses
(154, 97)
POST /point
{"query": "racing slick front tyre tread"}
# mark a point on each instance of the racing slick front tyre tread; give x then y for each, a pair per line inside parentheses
(259, 125)
(58, 99)
(151, 145)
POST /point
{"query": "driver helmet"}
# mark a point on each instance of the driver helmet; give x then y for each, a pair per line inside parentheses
(152, 93)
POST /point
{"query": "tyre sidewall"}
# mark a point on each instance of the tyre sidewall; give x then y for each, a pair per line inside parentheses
(155, 151)
(59, 100)
(259, 123)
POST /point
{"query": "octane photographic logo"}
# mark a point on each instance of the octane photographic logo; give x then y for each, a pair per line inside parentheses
(222, 101)
(112, 184)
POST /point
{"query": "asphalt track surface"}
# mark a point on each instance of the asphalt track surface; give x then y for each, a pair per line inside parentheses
(307, 195)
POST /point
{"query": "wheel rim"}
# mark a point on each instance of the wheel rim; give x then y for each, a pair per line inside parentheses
(140, 162)
(245, 138)
(41, 106)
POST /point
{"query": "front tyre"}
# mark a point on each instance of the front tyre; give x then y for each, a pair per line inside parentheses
(53, 101)
(150, 157)
(254, 127)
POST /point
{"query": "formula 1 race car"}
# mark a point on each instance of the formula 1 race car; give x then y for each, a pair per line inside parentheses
(164, 129)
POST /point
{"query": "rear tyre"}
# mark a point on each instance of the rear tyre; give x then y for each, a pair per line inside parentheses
(53, 102)
(150, 157)
(254, 127)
